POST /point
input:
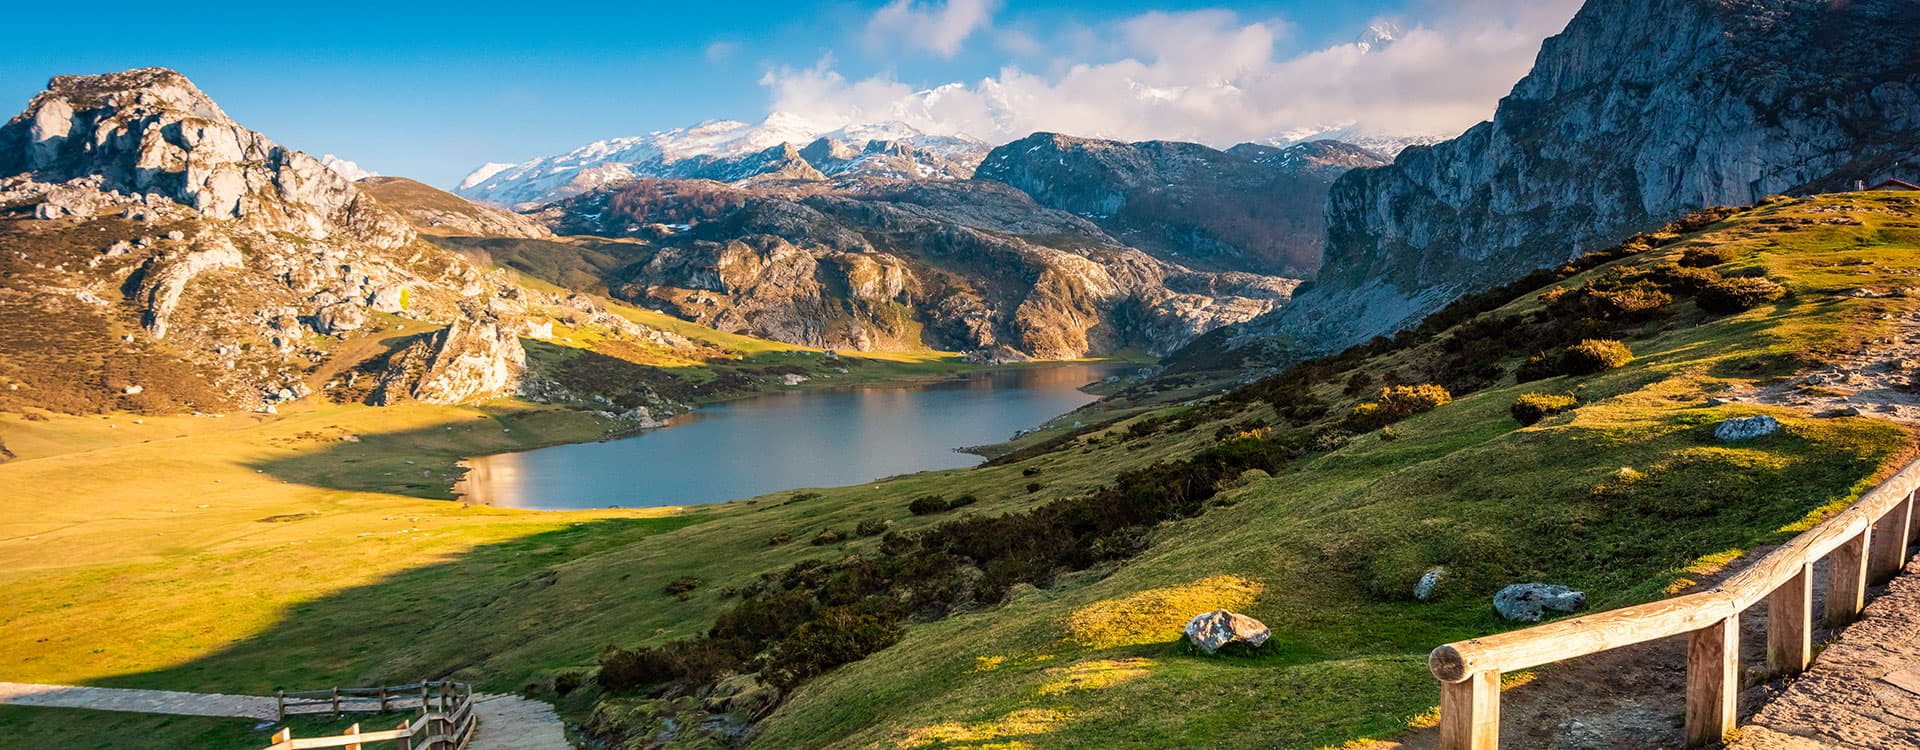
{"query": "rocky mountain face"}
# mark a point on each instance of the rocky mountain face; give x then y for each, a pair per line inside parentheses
(1252, 209)
(780, 148)
(906, 264)
(1639, 112)
(155, 255)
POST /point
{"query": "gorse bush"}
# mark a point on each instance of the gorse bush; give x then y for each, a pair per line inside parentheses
(1532, 407)
(1395, 403)
(1703, 257)
(829, 536)
(682, 588)
(871, 527)
(1732, 295)
(1594, 355)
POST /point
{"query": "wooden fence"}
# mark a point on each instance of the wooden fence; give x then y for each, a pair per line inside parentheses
(445, 717)
(1864, 544)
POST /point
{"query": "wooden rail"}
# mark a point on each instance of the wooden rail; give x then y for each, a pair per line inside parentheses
(445, 721)
(1866, 543)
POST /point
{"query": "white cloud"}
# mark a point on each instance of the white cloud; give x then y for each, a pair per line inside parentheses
(940, 28)
(345, 168)
(1206, 76)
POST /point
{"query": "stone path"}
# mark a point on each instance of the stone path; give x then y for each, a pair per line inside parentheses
(1862, 692)
(510, 722)
(137, 701)
(507, 722)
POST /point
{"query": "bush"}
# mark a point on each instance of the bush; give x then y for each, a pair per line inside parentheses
(1533, 407)
(1594, 355)
(1537, 367)
(927, 505)
(1728, 296)
(686, 662)
(839, 636)
(829, 536)
(871, 527)
(1678, 278)
(682, 588)
(1703, 257)
(1396, 403)
(566, 682)
(1034, 487)
(1030, 471)
(779, 539)
(962, 501)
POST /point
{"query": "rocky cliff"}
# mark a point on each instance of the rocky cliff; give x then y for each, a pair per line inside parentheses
(1252, 209)
(1639, 112)
(906, 264)
(438, 213)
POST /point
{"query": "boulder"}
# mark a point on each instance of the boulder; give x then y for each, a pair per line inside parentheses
(390, 299)
(1423, 589)
(1746, 428)
(1528, 602)
(793, 379)
(340, 317)
(1218, 629)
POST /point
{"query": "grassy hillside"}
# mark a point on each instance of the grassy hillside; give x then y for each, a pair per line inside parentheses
(313, 560)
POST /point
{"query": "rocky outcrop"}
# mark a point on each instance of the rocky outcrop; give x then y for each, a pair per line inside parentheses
(954, 265)
(1529, 602)
(474, 358)
(1252, 208)
(165, 279)
(1639, 112)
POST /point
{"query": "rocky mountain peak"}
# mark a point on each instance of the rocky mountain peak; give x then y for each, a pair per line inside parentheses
(118, 141)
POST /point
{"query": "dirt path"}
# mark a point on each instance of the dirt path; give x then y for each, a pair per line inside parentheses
(1862, 692)
(137, 701)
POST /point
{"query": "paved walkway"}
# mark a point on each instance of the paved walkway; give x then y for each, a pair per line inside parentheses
(510, 722)
(507, 722)
(137, 701)
(1862, 692)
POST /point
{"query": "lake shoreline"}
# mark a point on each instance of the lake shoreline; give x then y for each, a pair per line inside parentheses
(480, 478)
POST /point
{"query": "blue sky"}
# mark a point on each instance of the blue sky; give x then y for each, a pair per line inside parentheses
(432, 91)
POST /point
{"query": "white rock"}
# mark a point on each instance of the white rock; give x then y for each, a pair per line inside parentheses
(1746, 428)
(1215, 630)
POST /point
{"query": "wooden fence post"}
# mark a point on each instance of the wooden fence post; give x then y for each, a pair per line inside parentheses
(1790, 624)
(1847, 579)
(383, 700)
(336, 701)
(1470, 713)
(280, 704)
(406, 742)
(284, 735)
(1889, 542)
(1713, 681)
(354, 731)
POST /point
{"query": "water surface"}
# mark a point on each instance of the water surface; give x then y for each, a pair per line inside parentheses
(794, 439)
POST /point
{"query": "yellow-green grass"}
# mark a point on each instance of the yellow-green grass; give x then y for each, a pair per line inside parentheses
(145, 589)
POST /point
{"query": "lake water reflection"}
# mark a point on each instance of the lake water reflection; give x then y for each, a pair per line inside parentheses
(817, 438)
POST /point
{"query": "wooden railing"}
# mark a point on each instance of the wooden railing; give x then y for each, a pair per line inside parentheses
(445, 716)
(1864, 544)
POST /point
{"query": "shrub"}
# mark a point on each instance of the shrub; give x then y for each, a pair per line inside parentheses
(1401, 401)
(779, 539)
(1678, 278)
(871, 527)
(687, 662)
(1030, 471)
(1034, 487)
(1594, 355)
(1703, 257)
(1532, 407)
(839, 636)
(927, 505)
(566, 682)
(962, 501)
(682, 588)
(1728, 296)
(1537, 367)
(829, 536)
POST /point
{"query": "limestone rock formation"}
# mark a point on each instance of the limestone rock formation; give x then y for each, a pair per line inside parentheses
(1639, 112)
(165, 278)
(432, 211)
(471, 359)
(1746, 428)
(957, 265)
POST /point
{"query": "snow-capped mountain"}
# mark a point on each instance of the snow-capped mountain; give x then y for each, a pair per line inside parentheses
(731, 151)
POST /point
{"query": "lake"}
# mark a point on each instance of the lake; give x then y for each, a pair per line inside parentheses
(788, 440)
